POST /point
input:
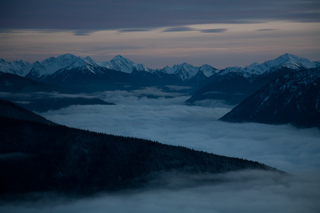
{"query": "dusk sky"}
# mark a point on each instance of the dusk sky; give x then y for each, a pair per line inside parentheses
(159, 33)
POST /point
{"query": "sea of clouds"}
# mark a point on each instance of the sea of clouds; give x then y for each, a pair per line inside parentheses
(170, 121)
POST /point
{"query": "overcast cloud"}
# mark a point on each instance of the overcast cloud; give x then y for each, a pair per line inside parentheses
(102, 15)
(160, 33)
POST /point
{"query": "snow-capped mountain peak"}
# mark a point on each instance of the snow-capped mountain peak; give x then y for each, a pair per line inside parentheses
(123, 64)
(66, 61)
(186, 71)
(183, 71)
(284, 61)
(52, 64)
(20, 68)
(89, 60)
(120, 57)
(294, 62)
(287, 60)
(208, 70)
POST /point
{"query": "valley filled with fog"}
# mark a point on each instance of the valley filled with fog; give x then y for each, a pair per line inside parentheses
(170, 121)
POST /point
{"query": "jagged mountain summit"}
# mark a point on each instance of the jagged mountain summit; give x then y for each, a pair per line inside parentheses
(122, 64)
(63, 62)
(186, 71)
(293, 98)
(287, 60)
(84, 74)
(232, 85)
(119, 63)
(183, 71)
(20, 68)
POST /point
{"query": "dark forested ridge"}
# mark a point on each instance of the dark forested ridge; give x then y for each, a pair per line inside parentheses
(293, 98)
(36, 157)
(11, 110)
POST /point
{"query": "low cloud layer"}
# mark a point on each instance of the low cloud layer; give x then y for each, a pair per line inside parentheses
(167, 120)
(248, 191)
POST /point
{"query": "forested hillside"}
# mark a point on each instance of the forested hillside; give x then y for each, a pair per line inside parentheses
(36, 157)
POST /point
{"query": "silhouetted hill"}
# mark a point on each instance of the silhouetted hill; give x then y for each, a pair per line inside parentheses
(10, 110)
(293, 98)
(39, 96)
(35, 157)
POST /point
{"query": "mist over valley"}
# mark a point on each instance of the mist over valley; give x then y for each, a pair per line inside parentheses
(146, 107)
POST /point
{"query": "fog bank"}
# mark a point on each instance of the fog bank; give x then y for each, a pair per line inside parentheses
(249, 191)
(169, 121)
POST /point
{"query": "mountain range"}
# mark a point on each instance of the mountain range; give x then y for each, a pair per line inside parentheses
(41, 70)
(232, 85)
(76, 75)
(86, 75)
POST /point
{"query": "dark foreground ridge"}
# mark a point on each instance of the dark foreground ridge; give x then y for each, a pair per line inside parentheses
(37, 157)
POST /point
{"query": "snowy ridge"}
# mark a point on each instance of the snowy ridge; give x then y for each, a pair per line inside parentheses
(284, 61)
(87, 62)
(51, 65)
(208, 70)
(187, 71)
(122, 64)
(20, 68)
(66, 61)
(183, 71)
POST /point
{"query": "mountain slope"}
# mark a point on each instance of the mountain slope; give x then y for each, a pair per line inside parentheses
(138, 75)
(186, 72)
(232, 85)
(20, 68)
(35, 157)
(52, 65)
(122, 64)
(293, 98)
(38, 96)
(10, 110)
(84, 79)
